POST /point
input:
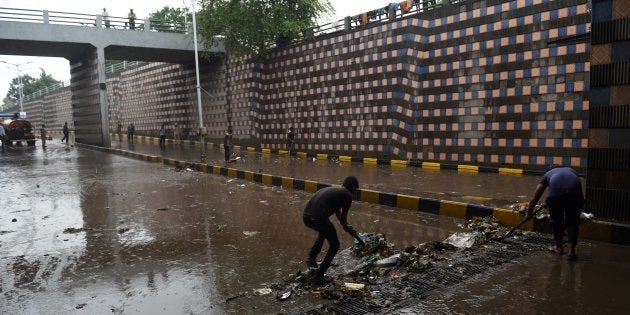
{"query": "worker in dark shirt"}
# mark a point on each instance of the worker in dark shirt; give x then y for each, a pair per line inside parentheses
(565, 200)
(324, 203)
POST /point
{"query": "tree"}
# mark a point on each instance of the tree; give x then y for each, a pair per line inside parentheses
(170, 19)
(250, 27)
(31, 85)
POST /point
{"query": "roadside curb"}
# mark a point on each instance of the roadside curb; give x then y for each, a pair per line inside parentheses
(616, 233)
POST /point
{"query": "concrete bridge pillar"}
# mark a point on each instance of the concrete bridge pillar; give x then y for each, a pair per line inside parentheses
(89, 98)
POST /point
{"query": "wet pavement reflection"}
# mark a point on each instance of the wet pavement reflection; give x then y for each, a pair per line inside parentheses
(489, 189)
(88, 232)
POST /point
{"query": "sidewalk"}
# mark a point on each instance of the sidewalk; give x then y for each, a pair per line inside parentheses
(461, 192)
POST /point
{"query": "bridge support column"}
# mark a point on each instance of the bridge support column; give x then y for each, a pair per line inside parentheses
(90, 110)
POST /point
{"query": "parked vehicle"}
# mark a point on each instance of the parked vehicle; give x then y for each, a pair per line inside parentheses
(18, 130)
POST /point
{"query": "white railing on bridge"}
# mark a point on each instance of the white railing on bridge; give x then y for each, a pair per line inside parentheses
(90, 20)
(119, 66)
(388, 12)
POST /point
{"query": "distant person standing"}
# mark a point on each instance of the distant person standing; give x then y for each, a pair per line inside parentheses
(131, 129)
(2, 135)
(66, 131)
(177, 134)
(162, 135)
(43, 133)
(227, 144)
(119, 130)
(291, 141)
(132, 19)
(105, 17)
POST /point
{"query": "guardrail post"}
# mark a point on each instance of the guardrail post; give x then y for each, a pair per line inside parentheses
(147, 25)
(46, 17)
(99, 21)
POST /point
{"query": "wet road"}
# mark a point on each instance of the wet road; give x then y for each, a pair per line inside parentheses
(489, 189)
(87, 232)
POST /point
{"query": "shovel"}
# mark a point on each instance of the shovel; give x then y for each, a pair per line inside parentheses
(536, 210)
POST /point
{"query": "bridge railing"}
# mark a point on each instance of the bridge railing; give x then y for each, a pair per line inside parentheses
(90, 20)
(115, 67)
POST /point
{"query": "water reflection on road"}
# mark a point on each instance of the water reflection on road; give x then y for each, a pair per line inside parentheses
(84, 231)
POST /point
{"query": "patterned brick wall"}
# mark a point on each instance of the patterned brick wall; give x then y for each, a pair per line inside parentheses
(490, 82)
(495, 82)
(608, 181)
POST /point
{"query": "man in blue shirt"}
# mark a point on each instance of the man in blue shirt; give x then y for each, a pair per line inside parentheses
(565, 201)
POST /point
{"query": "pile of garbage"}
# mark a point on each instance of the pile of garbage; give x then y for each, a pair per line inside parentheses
(362, 271)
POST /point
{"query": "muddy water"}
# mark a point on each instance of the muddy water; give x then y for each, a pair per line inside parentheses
(543, 283)
(87, 232)
(489, 189)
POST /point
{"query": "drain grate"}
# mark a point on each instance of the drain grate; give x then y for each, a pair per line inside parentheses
(350, 307)
(416, 286)
(442, 277)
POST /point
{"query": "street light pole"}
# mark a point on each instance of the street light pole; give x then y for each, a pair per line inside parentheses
(20, 90)
(202, 129)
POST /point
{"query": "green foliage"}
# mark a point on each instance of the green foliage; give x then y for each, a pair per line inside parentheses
(31, 85)
(251, 27)
(170, 19)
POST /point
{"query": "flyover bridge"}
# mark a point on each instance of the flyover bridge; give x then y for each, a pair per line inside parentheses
(86, 41)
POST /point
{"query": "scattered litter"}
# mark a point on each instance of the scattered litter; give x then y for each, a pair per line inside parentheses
(80, 306)
(354, 286)
(235, 297)
(462, 240)
(162, 209)
(587, 216)
(221, 227)
(264, 202)
(250, 233)
(284, 296)
(389, 261)
(263, 291)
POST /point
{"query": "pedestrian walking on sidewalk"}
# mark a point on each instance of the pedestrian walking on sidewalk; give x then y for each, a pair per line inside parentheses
(43, 133)
(565, 201)
(66, 131)
(177, 134)
(291, 141)
(131, 129)
(324, 203)
(119, 130)
(227, 144)
(2, 134)
(162, 135)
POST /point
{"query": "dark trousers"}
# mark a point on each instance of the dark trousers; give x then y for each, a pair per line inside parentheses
(65, 137)
(162, 140)
(326, 231)
(228, 153)
(565, 211)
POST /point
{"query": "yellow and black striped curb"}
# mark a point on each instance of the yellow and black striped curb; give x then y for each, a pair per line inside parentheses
(594, 230)
(364, 160)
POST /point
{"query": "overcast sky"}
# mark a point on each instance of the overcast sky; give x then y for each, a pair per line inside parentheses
(59, 68)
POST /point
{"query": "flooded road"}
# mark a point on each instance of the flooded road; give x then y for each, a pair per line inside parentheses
(488, 189)
(88, 232)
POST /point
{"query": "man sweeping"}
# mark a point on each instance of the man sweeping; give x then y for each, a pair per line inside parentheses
(565, 201)
(324, 203)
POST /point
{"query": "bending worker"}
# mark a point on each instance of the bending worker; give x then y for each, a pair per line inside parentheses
(324, 203)
(565, 201)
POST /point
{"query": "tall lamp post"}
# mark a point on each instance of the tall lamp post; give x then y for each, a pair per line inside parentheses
(202, 129)
(20, 90)
(17, 69)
